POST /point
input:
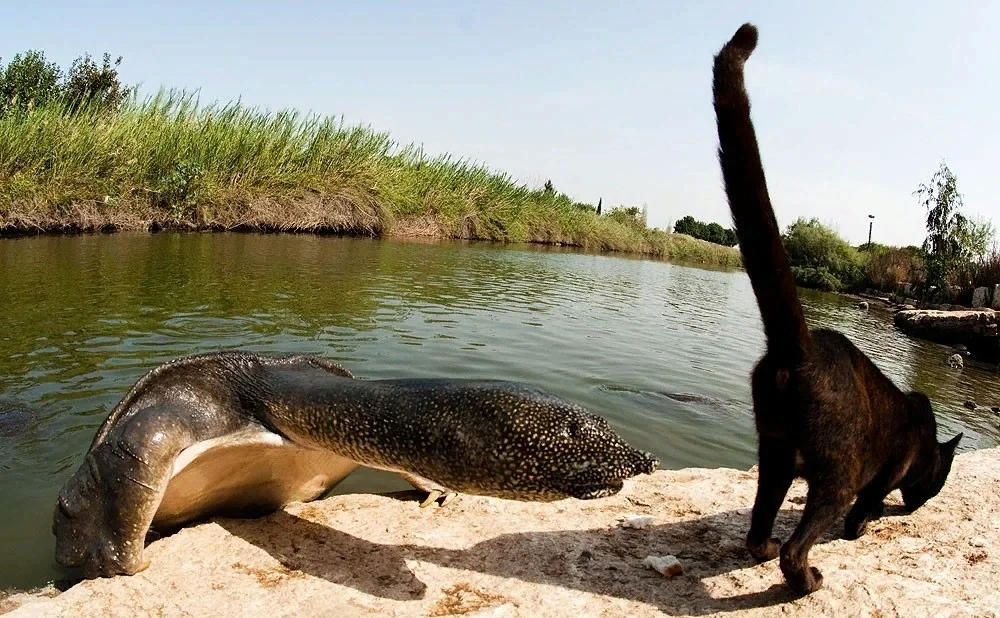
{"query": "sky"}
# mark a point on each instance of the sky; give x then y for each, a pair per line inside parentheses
(855, 104)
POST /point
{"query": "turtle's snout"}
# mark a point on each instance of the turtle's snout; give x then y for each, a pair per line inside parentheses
(645, 463)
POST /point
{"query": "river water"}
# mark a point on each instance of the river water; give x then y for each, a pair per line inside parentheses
(82, 318)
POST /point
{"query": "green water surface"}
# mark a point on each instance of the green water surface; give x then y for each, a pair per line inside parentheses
(82, 318)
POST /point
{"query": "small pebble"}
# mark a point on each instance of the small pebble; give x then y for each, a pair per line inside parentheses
(638, 521)
(667, 566)
(978, 542)
(970, 405)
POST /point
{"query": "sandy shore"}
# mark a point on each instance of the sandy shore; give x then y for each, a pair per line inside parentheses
(370, 555)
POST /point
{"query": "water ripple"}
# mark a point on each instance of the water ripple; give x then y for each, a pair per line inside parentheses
(663, 351)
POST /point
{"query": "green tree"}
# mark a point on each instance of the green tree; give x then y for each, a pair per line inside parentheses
(953, 241)
(820, 258)
(978, 238)
(89, 82)
(712, 232)
(30, 81)
(690, 226)
(630, 216)
(27, 82)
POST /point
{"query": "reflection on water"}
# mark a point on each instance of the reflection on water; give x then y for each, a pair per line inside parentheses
(663, 351)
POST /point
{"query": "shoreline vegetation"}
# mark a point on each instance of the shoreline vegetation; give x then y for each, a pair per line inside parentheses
(169, 163)
(79, 152)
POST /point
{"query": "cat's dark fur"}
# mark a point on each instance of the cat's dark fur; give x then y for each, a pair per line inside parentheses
(823, 410)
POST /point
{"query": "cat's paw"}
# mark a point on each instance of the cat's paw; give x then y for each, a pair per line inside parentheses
(768, 550)
(854, 530)
(804, 582)
(877, 511)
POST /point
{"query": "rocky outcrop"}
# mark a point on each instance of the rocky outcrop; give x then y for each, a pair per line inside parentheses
(371, 555)
(980, 297)
(971, 327)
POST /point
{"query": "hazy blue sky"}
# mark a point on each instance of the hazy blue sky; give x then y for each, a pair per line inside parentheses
(855, 103)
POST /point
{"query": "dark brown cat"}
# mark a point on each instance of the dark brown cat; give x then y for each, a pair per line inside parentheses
(823, 410)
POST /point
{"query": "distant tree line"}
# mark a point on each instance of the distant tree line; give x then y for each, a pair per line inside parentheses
(958, 252)
(30, 81)
(712, 232)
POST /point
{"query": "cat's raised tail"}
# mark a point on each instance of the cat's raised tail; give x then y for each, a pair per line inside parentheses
(764, 256)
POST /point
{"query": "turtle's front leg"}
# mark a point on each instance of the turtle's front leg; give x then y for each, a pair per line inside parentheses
(434, 490)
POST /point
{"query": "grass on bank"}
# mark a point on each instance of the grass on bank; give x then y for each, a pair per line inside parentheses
(168, 162)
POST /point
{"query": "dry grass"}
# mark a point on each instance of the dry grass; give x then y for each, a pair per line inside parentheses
(464, 599)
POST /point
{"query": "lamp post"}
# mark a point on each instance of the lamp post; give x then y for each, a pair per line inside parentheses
(871, 222)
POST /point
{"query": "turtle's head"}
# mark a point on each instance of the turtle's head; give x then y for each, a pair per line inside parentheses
(590, 460)
(550, 450)
(82, 523)
(77, 516)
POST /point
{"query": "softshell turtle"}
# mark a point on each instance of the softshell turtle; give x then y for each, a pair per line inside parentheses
(242, 434)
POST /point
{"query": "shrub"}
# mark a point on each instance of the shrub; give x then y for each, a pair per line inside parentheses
(988, 270)
(821, 258)
(29, 82)
(890, 266)
(630, 216)
(712, 232)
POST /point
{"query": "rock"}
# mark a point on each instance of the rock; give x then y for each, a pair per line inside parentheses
(970, 405)
(667, 566)
(955, 361)
(980, 297)
(638, 521)
(11, 599)
(863, 305)
(373, 555)
(948, 326)
(995, 303)
(995, 409)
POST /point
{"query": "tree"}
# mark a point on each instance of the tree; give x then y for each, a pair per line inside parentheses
(712, 232)
(715, 233)
(820, 257)
(599, 200)
(630, 216)
(949, 238)
(978, 238)
(89, 83)
(549, 189)
(27, 82)
(690, 226)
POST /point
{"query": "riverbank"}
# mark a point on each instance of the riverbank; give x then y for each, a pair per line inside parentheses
(168, 163)
(656, 243)
(372, 555)
(971, 330)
